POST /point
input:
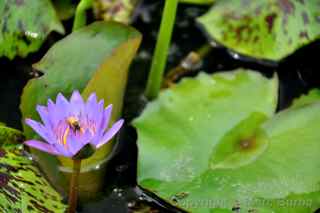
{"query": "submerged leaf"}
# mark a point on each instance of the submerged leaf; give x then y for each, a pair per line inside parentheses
(263, 29)
(197, 164)
(24, 26)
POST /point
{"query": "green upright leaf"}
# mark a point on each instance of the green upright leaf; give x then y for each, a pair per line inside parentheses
(24, 25)
(203, 165)
(265, 29)
(95, 58)
(23, 188)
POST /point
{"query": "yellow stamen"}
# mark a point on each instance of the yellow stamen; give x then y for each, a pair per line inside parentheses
(65, 135)
(72, 120)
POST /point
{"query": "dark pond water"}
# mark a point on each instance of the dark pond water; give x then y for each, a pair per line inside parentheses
(297, 73)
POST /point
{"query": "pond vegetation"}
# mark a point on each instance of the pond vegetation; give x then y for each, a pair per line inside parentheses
(220, 101)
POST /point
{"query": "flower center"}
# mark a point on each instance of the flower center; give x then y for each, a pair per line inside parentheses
(74, 124)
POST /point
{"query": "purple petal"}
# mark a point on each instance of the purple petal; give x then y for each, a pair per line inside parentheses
(98, 114)
(76, 98)
(101, 105)
(50, 102)
(77, 104)
(62, 150)
(40, 129)
(61, 99)
(54, 113)
(92, 98)
(77, 141)
(43, 112)
(62, 102)
(42, 146)
(110, 133)
(102, 124)
(51, 107)
(106, 117)
(48, 126)
(91, 106)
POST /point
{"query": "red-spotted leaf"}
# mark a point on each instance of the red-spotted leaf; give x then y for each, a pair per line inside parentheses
(264, 29)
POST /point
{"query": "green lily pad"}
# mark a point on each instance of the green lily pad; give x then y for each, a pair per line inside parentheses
(311, 97)
(203, 166)
(102, 68)
(263, 29)
(23, 188)
(189, 120)
(242, 145)
(24, 26)
(9, 135)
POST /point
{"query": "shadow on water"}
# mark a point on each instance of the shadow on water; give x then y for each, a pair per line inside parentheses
(297, 74)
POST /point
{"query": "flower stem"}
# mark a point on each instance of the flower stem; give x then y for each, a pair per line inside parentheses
(161, 52)
(74, 185)
(80, 18)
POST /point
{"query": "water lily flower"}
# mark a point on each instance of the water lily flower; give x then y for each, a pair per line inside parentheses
(68, 126)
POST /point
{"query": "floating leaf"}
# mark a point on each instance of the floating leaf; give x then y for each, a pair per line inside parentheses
(242, 145)
(23, 188)
(9, 135)
(311, 97)
(188, 121)
(178, 157)
(263, 29)
(93, 59)
(24, 26)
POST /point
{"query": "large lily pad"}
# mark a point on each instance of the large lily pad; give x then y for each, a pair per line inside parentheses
(23, 187)
(93, 59)
(24, 25)
(232, 160)
(194, 116)
(263, 29)
(311, 97)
